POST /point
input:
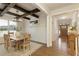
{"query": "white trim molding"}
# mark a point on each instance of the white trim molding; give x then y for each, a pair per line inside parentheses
(49, 31)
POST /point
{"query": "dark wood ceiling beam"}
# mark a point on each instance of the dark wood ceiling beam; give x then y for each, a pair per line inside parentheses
(35, 15)
(25, 11)
(16, 15)
(8, 7)
(35, 10)
(31, 12)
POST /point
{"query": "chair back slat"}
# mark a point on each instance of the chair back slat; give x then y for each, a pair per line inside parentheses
(7, 40)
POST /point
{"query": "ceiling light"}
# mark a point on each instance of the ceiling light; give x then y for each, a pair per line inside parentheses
(63, 17)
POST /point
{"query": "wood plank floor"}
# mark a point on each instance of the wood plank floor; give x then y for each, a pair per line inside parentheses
(59, 48)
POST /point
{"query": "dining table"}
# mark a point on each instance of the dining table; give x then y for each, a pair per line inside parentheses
(17, 39)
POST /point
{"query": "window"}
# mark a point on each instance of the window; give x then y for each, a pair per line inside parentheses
(3, 25)
(6, 26)
(12, 26)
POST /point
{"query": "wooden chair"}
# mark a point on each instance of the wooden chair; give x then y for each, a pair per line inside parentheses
(10, 32)
(26, 42)
(7, 42)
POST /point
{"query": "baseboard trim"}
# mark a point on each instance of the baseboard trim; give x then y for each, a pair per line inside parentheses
(38, 42)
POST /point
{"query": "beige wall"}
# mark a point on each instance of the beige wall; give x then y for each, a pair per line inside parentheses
(38, 31)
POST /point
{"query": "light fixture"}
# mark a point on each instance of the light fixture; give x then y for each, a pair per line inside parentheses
(63, 17)
(35, 21)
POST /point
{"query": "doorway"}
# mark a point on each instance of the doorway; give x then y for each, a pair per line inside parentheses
(66, 24)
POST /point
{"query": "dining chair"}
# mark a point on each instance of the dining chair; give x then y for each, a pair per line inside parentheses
(8, 43)
(5, 41)
(10, 32)
(26, 42)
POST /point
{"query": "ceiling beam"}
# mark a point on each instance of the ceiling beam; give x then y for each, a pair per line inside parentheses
(35, 15)
(9, 6)
(16, 15)
(25, 11)
(30, 13)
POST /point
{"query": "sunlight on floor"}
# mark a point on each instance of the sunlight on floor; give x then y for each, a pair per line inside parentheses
(62, 45)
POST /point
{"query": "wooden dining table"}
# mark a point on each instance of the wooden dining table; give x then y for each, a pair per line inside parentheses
(17, 40)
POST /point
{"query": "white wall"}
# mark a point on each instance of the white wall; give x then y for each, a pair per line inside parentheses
(38, 31)
(55, 28)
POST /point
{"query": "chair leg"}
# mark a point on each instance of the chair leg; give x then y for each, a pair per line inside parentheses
(30, 50)
(17, 46)
(24, 48)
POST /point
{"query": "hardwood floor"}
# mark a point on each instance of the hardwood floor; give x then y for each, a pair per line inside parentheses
(59, 48)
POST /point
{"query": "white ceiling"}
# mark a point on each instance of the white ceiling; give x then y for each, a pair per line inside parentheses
(16, 11)
(27, 6)
(54, 6)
